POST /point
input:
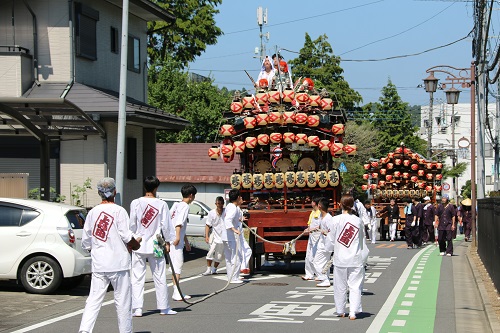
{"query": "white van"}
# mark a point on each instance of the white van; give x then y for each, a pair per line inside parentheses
(197, 218)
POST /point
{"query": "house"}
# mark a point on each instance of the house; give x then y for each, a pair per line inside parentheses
(188, 163)
(60, 70)
(447, 140)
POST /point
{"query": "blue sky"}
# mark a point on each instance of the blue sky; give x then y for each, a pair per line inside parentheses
(357, 30)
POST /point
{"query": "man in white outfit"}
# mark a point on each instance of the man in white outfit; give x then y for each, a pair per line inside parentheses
(371, 214)
(246, 252)
(179, 215)
(312, 243)
(323, 254)
(215, 223)
(149, 216)
(232, 225)
(107, 236)
(347, 240)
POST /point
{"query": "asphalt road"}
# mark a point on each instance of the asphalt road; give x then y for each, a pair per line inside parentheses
(273, 299)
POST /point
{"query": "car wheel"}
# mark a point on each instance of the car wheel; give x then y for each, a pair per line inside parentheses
(41, 275)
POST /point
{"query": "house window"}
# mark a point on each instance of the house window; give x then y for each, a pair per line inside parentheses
(86, 31)
(133, 57)
(488, 150)
(114, 40)
(489, 180)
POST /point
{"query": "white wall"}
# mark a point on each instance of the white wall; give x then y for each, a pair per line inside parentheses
(206, 192)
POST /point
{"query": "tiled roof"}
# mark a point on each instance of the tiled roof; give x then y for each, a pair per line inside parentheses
(189, 162)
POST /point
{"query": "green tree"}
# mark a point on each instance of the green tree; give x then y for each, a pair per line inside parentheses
(393, 120)
(317, 61)
(364, 136)
(202, 103)
(186, 38)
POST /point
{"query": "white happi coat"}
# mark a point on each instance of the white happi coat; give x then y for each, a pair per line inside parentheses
(346, 239)
(106, 233)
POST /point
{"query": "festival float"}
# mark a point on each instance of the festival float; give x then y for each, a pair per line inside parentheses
(286, 141)
(402, 174)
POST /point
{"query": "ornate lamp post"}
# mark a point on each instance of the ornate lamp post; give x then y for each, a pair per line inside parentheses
(465, 77)
(430, 84)
(452, 95)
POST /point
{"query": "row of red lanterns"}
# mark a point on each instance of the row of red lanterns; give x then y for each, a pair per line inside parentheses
(405, 175)
(406, 163)
(421, 185)
(278, 118)
(275, 97)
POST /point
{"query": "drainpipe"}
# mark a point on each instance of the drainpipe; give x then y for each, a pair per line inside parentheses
(71, 50)
(35, 41)
(13, 21)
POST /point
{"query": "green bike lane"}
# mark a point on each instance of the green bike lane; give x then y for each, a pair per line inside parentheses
(412, 304)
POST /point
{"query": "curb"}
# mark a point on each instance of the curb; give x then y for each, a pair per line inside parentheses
(488, 308)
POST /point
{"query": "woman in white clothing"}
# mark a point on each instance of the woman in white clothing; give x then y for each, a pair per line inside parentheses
(267, 71)
(346, 239)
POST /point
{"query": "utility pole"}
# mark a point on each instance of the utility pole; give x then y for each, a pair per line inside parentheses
(496, 168)
(262, 20)
(454, 157)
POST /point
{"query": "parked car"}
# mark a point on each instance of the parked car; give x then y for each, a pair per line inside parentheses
(198, 212)
(40, 244)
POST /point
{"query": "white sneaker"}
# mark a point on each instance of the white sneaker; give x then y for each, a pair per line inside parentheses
(178, 297)
(167, 312)
(441, 253)
(448, 254)
(137, 313)
(207, 272)
(325, 283)
(236, 281)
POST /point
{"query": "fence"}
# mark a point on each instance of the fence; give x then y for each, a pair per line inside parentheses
(488, 236)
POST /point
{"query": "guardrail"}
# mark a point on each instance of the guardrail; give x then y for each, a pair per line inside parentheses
(488, 236)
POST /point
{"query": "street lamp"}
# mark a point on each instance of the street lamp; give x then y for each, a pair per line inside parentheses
(465, 77)
(430, 84)
(452, 95)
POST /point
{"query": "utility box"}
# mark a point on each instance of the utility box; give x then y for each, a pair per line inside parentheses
(14, 185)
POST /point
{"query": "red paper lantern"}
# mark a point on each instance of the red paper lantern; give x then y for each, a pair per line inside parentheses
(439, 176)
(236, 107)
(383, 171)
(238, 147)
(274, 96)
(366, 176)
(421, 172)
(275, 137)
(350, 150)
(366, 166)
(390, 155)
(289, 137)
(421, 160)
(388, 177)
(300, 118)
(213, 153)
(227, 130)
(262, 119)
(381, 183)
(421, 185)
(313, 140)
(326, 104)
(302, 97)
(313, 120)
(406, 162)
(338, 129)
(414, 167)
(289, 117)
(390, 165)
(301, 138)
(414, 156)
(373, 186)
(398, 150)
(406, 175)
(315, 100)
(429, 176)
(407, 151)
(397, 161)
(250, 142)
(438, 188)
(249, 122)
(263, 139)
(439, 165)
(248, 102)
(414, 179)
(374, 175)
(364, 187)
(261, 97)
(227, 150)
(336, 148)
(374, 164)
(428, 188)
(274, 118)
(288, 95)
(397, 174)
(324, 145)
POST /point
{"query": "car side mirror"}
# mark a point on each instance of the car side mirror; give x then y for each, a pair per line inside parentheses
(202, 213)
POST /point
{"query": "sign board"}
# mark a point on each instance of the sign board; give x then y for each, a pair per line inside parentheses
(446, 187)
(342, 167)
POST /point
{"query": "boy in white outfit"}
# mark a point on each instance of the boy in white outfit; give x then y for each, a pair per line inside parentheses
(371, 214)
(312, 243)
(149, 216)
(232, 225)
(246, 252)
(347, 240)
(323, 254)
(215, 222)
(179, 215)
(107, 236)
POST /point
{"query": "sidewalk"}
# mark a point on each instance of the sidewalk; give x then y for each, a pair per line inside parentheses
(473, 308)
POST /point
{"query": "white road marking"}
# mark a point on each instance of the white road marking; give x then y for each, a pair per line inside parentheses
(403, 312)
(399, 323)
(413, 288)
(407, 303)
(332, 319)
(410, 295)
(415, 282)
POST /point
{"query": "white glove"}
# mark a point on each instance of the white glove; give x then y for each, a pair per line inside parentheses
(413, 224)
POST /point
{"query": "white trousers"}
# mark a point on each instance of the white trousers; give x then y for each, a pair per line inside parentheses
(392, 229)
(373, 232)
(98, 289)
(312, 247)
(233, 261)
(246, 252)
(176, 259)
(348, 278)
(321, 257)
(138, 277)
(215, 251)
